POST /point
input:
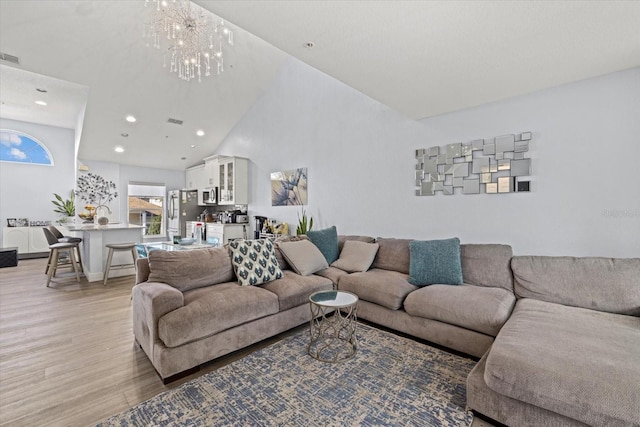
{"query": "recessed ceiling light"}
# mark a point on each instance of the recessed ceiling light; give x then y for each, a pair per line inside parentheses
(193, 146)
(41, 103)
(131, 119)
(124, 135)
(119, 150)
(200, 132)
(183, 158)
(309, 45)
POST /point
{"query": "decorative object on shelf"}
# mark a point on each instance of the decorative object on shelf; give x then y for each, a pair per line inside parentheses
(289, 187)
(304, 225)
(496, 165)
(103, 220)
(191, 35)
(17, 222)
(93, 188)
(66, 208)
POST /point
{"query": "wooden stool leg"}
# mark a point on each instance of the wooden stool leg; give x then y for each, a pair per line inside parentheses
(46, 271)
(74, 264)
(108, 266)
(79, 258)
(52, 265)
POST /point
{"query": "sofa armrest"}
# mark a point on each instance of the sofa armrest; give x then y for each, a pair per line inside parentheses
(151, 301)
(142, 270)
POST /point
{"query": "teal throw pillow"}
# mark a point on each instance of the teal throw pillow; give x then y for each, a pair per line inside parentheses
(327, 241)
(435, 262)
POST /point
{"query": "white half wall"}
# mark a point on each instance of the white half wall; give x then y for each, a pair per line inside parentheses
(585, 198)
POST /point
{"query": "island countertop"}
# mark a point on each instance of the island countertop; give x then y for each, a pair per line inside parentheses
(95, 227)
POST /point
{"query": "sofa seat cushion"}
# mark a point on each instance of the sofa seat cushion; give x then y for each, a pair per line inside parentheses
(213, 309)
(293, 290)
(332, 273)
(477, 308)
(383, 287)
(573, 361)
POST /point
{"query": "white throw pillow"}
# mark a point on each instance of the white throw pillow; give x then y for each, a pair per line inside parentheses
(356, 256)
(304, 257)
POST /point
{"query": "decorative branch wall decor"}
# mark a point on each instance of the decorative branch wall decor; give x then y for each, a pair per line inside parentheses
(489, 166)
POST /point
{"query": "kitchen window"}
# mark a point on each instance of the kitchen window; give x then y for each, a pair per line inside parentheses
(146, 208)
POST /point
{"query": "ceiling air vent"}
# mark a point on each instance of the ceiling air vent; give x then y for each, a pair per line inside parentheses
(10, 58)
(175, 121)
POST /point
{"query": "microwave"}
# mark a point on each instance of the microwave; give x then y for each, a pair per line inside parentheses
(208, 196)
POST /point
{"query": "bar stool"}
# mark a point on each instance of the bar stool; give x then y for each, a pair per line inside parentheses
(67, 239)
(119, 247)
(54, 256)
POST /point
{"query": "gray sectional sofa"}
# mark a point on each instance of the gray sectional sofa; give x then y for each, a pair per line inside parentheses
(559, 345)
(569, 355)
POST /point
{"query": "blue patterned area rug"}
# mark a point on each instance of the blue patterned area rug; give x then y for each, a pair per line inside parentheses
(391, 381)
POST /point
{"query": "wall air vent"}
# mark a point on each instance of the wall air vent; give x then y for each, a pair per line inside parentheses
(9, 58)
(175, 121)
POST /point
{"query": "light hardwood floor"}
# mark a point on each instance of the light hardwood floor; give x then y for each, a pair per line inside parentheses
(67, 354)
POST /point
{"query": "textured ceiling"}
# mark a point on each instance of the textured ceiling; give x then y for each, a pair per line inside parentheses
(421, 58)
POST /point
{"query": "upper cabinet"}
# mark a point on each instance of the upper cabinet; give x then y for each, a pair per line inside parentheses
(195, 178)
(229, 174)
(233, 181)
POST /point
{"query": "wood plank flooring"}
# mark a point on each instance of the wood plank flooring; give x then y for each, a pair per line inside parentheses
(67, 354)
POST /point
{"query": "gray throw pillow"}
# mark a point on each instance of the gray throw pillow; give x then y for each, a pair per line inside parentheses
(303, 256)
(356, 256)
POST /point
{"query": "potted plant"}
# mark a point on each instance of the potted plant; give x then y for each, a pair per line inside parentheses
(66, 208)
(96, 190)
(304, 225)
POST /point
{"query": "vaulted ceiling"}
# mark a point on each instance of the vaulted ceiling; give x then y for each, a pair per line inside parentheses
(421, 58)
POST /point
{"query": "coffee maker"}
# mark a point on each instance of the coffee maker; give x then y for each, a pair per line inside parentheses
(260, 222)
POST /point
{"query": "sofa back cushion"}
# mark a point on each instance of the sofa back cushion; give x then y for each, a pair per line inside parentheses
(185, 270)
(342, 238)
(393, 255)
(487, 265)
(604, 284)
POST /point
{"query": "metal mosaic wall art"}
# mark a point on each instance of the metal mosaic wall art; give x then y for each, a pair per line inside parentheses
(482, 166)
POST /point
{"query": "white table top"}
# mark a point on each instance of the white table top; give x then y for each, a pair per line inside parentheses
(108, 227)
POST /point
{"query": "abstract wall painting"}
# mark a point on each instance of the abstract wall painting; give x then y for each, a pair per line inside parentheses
(289, 187)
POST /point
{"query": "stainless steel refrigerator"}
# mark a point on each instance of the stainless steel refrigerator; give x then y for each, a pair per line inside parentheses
(182, 206)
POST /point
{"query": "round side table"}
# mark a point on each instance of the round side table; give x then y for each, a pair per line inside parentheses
(333, 338)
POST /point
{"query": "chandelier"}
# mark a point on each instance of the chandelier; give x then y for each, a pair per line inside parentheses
(191, 36)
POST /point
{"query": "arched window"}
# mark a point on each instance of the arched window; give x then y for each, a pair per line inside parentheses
(18, 147)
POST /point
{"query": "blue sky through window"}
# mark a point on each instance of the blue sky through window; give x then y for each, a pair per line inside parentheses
(18, 147)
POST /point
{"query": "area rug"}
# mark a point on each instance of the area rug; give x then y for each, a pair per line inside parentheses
(391, 381)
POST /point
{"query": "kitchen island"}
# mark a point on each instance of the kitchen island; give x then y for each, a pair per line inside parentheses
(94, 252)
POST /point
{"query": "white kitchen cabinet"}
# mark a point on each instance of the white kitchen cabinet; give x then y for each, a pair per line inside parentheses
(195, 177)
(233, 181)
(28, 240)
(211, 172)
(226, 232)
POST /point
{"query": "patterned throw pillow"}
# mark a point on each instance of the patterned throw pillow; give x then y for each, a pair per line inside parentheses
(254, 261)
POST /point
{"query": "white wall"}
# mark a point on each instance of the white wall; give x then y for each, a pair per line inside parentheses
(26, 190)
(360, 159)
(122, 175)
